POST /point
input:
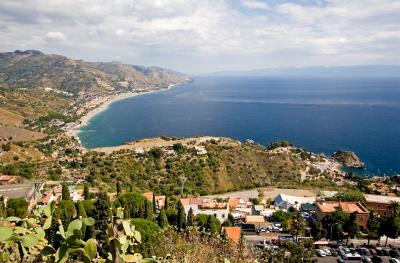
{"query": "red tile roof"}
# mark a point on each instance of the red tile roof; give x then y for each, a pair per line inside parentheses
(233, 232)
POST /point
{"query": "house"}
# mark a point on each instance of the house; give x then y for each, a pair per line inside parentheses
(160, 199)
(200, 150)
(8, 179)
(380, 204)
(257, 220)
(238, 203)
(307, 207)
(30, 191)
(284, 202)
(233, 233)
(206, 207)
(80, 178)
(325, 208)
(139, 151)
(168, 152)
(49, 197)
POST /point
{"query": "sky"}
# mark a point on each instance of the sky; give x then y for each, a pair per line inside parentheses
(201, 36)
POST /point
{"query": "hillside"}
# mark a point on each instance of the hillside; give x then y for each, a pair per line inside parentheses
(43, 92)
(227, 165)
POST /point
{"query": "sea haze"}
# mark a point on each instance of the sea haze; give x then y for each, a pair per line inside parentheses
(321, 115)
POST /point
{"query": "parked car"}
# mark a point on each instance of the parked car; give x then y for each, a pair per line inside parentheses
(380, 252)
(394, 253)
(327, 251)
(366, 259)
(372, 251)
(321, 253)
(386, 252)
(339, 260)
(376, 259)
(334, 253)
(394, 260)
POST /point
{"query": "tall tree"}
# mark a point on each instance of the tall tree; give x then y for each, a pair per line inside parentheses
(148, 208)
(190, 218)
(317, 230)
(162, 218)
(101, 216)
(181, 221)
(374, 224)
(2, 207)
(213, 225)
(86, 194)
(392, 225)
(81, 210)
(297, 225)
(65, 192)
(166, 204)
(119, 190)
(351, 227)
(154, 203)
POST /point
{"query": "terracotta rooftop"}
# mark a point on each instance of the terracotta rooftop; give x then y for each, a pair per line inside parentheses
(254, 219)
(233, 232)
(191, 201)
(346, 207)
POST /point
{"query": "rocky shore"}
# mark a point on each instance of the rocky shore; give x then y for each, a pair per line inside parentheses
(348, 159)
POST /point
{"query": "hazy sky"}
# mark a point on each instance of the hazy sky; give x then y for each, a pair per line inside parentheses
(197, 36)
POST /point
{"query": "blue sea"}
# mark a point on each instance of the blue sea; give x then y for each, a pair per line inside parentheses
(321, 115)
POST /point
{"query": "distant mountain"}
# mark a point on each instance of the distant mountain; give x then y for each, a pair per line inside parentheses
(383, 71)
(37, 89)
(33, 69)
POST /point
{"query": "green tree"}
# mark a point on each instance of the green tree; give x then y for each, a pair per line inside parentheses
(297, 225)
(17, 207)
(181, 220)
(148, 210)
(213, 225)
(81, 209)
(280, 216)
(351, 226)
(119, 190)
(172, 215)
(317, 230)
(190, 218)
(102, 218)
(65, 192)
(162, 219)
(392, 225)
(154, 203)
(86, 194)
(133, 204)
(149, 233)
(65, 211)
(374, 223)
(2, 207)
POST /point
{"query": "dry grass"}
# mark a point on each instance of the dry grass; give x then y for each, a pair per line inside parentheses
(18, 134)
(11, 119)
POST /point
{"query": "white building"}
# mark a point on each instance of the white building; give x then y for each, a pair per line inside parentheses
(284, 202)
(200, 150)
(206, 207)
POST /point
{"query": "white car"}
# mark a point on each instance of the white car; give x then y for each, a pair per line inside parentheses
(395, 260)
(321, 253)
(327, 252)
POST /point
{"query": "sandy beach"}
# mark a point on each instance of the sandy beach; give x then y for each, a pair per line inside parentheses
(85, 119)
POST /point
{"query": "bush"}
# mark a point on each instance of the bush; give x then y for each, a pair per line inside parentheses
(149, 233)
(17, 207)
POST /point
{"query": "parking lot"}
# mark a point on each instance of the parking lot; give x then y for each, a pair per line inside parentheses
(334, 260)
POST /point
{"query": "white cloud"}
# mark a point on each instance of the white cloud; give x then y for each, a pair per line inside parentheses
(55, 37)
(254, 4)
(207, 35)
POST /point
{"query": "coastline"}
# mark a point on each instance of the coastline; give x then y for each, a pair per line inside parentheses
(86, 118)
